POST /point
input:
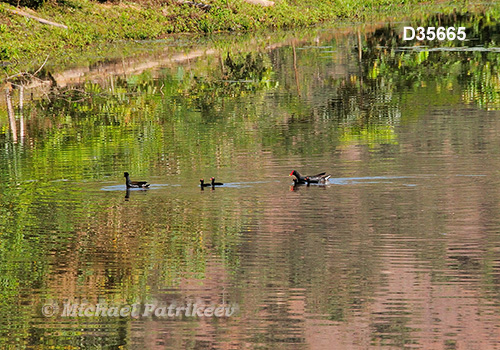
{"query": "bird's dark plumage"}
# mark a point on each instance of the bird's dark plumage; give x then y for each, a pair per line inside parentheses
(203, 184)
(318, 178)
(134, 184)
(213, 183)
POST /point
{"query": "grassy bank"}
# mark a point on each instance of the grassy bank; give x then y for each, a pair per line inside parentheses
(24, 42)
(90, 22)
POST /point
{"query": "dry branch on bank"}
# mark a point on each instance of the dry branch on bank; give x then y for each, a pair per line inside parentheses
(41, 20)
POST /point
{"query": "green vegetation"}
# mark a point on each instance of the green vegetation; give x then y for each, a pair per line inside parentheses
(446, 66)
(89, 22)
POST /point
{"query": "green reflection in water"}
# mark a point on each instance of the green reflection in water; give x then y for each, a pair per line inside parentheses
(242, 118)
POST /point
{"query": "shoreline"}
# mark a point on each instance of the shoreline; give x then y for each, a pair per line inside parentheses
(26, 40)
(22, 55)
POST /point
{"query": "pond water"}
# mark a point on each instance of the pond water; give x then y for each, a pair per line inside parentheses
(399, 249)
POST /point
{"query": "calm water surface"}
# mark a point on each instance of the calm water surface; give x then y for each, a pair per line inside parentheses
(401, 249)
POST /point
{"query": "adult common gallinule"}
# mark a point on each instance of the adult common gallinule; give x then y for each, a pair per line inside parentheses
(134, 184)
(318, 178)
(213, 183)
(203, 184)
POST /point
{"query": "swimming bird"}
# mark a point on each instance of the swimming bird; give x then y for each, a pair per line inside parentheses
(318, 178)
(134, 184)
(213, 183)
(203, 184)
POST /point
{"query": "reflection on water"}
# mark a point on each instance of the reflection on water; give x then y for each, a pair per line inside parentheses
(399, 249)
